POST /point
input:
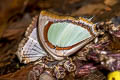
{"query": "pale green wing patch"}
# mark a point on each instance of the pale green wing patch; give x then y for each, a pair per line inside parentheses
(63, 34)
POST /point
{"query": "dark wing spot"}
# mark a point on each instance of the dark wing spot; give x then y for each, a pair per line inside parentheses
(113, 78)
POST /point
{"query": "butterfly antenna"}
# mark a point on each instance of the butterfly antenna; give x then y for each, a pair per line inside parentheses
(90, 19)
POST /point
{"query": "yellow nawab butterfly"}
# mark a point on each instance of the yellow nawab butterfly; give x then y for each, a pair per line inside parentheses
(59, 36)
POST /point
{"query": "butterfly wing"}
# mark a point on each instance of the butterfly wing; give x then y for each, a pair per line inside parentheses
(57, 38)
(29, 49)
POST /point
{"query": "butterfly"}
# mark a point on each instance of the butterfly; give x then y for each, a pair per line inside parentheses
(59, 36)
